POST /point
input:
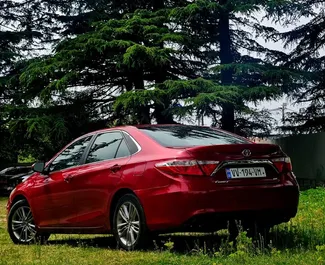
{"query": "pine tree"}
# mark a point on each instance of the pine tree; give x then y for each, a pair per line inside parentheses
(168, 61)
(308, 42)
(124, 55)
(24, 28)
(16, 33)
(244, 67)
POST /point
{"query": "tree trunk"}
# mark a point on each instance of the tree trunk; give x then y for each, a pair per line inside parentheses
(143, 116)
(226, 57)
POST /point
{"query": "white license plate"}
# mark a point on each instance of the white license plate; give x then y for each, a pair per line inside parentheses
(248, 172)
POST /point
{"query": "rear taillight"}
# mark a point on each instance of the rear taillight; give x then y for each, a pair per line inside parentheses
(283, 164)
(208, 167)
(188, 167)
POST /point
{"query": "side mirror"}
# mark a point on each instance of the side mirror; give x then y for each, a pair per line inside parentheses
(39, 167)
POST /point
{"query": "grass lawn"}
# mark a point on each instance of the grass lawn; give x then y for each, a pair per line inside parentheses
(302, 241)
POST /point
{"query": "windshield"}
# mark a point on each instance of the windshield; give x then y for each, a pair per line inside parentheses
(188, 136)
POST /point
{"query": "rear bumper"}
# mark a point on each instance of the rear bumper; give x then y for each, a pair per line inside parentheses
(175, 207)
(211, 222)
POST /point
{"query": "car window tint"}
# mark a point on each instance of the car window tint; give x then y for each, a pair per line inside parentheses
(107, 146)
(71, 155)
(187, 136)
(123, 150)
(131, 144)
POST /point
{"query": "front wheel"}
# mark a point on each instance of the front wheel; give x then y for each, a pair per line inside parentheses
(21, 226)
(129, 225)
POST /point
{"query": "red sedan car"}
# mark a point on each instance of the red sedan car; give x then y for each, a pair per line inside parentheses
(133, 181)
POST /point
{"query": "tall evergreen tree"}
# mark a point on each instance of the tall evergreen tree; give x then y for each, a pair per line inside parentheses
(308, 42)
(16, 34)
(168, 50)
(25, 26)
(142, 61)
(242, 66)
(124, 55)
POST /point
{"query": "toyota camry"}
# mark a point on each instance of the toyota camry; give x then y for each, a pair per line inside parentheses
(136, 181)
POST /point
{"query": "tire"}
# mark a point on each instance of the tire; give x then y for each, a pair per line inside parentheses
(129, 225)
(21, 227)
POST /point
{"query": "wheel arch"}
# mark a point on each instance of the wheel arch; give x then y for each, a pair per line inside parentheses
(117, 195)
(17, 198)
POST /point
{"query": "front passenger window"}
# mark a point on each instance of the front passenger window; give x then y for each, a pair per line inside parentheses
(71, 156)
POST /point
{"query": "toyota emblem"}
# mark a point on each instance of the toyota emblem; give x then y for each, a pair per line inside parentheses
(247, 153)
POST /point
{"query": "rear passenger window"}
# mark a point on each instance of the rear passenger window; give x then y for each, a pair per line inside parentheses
(131, 144)
(107, 146)
(123, 150)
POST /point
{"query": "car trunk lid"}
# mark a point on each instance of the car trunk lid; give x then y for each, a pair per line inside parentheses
(241, 164)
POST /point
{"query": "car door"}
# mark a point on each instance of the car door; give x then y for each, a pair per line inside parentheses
(53, 193)
(98, 178)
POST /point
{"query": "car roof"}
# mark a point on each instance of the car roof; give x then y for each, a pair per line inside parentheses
(168, 125)
(138, 126)
(122, 128)
(130, 128)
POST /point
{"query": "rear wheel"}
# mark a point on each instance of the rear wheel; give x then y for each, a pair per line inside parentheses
(21, 226)
(129, 226)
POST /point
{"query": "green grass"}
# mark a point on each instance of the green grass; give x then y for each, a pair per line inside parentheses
(301, 241)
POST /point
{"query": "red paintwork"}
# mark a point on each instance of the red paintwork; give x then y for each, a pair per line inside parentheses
(84, 203)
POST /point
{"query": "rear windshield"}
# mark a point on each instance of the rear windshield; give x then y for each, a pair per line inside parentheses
(187, 136)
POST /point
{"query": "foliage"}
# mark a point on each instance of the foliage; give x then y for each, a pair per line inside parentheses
(26, 159)
(130, 62)
(138, 59)
(252, 122)
(120, 56)
(230, 27)
(12, 43)
(308, 42)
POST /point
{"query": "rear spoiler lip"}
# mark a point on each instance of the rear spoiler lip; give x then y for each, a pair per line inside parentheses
(194, 148)
(233, 134)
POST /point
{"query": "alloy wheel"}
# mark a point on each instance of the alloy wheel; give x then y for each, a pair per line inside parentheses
(22, 224)
(128, 224)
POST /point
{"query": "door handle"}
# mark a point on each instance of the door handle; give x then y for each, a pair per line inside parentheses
(68, 178)
(115, 168)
